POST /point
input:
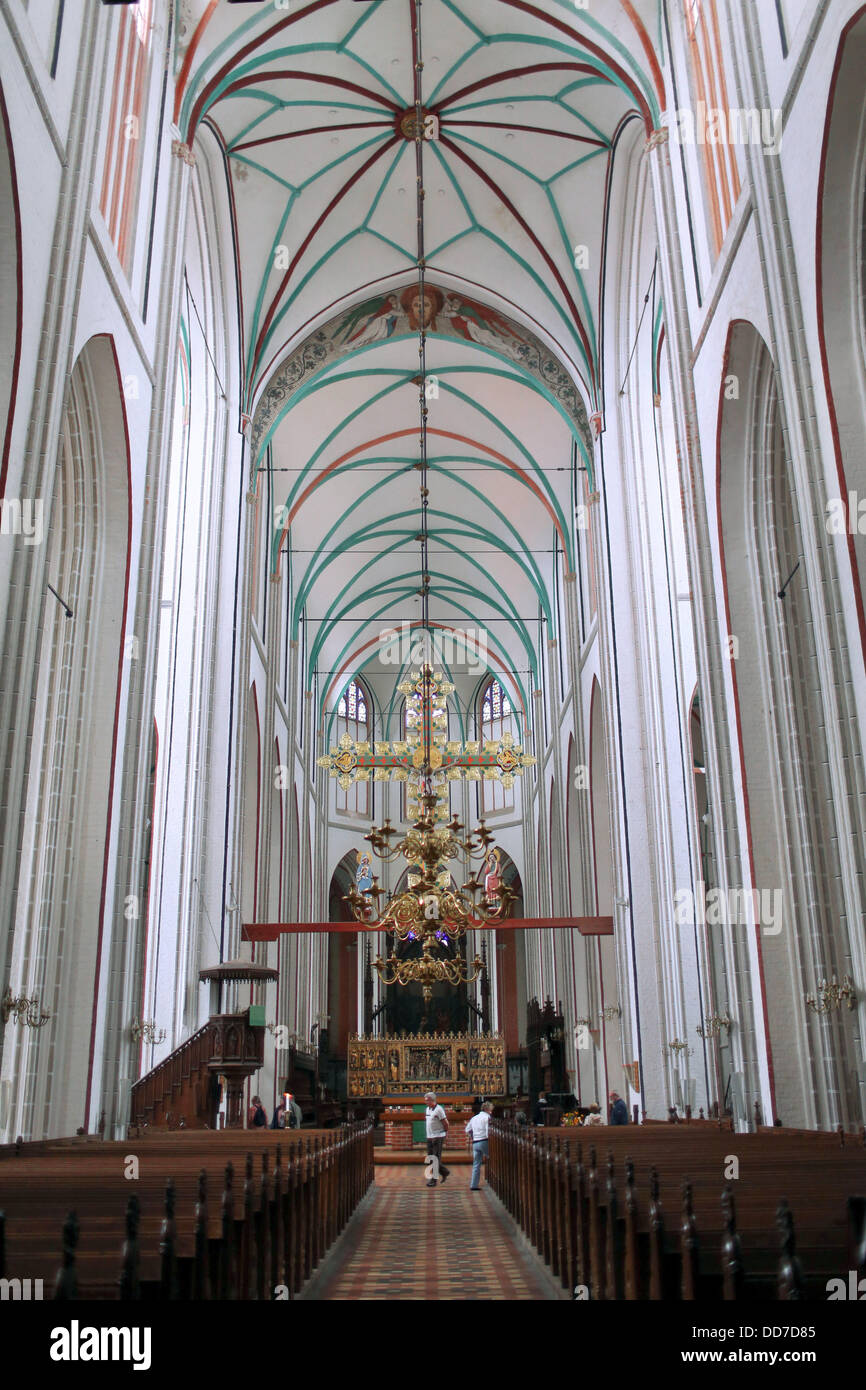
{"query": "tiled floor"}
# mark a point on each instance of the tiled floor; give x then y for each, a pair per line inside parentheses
(408, 1241)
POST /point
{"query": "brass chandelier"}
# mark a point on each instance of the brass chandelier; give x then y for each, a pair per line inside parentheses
(431, 910)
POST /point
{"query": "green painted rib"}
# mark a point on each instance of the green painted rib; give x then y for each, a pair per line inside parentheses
(323, 259)
(212, 60)
(509, 434)
(516, 100)
(374, 653)
(261, 60)
(537, 41)
(511, 674)
(575, 164)
(260, 168)
(322, 379)
(436, 463)
(278, 105)
(407, 535)
(473, 405)
(625, 53)
(657, 328)
(330, 619)
(545, 184)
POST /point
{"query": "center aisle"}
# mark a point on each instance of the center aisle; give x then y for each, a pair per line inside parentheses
(408, 1241)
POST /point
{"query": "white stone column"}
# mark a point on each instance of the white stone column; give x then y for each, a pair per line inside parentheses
(749, 1040)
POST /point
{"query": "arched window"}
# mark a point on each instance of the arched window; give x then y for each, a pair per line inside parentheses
(354, 717)
(710, 92)
(496, 719)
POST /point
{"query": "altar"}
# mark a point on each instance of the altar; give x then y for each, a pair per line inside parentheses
(470, 1064)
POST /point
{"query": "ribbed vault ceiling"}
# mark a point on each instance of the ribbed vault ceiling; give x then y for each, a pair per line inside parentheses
(308, 104)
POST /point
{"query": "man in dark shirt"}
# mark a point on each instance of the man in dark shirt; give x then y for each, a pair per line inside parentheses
(618, 1110)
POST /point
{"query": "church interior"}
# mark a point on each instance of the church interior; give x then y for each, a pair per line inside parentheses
(432, 512)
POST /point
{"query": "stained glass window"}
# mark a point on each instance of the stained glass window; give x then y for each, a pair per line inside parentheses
(496, 719)
(353, 719)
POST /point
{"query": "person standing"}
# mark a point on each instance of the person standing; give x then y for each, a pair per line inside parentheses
(257, 1117)
(437, 1129)
(478, 1130)
(618, 1110)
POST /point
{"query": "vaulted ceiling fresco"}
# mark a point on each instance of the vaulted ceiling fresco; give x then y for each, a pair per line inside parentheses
(314, 108)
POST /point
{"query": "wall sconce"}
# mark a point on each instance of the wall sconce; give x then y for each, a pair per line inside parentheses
(145, 1031)
(678, 1046)
(713, 1025)
(831, 994)
(23, 1010)
(612, 1011)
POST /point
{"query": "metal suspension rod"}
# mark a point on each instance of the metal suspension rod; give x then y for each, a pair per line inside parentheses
(418, 69)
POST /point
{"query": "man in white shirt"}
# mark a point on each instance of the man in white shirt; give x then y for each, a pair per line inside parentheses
(437, 1128)
(478, 1129)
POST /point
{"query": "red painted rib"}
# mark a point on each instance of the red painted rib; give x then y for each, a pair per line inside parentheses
(323, 216)
(545, 255)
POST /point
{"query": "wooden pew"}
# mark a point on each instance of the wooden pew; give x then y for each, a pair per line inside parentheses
(241, 1213)
(628, 1226)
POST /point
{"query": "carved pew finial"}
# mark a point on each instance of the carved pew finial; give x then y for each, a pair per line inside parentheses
(790, 1274)
(689, 1246)
(168, 1288)
(130, 1288)
(732, 1261)
(66, 1286)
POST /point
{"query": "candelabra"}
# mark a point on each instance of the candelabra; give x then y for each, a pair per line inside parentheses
(145, 1030)
(612, 1011)
(713, 1025)
(678, 1045)
(830, 995)
(23, 1010)
(431, 911)
(284, 1040)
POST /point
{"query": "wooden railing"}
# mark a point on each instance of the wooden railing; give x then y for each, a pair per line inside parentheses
(156, 1095)
(177, 1092)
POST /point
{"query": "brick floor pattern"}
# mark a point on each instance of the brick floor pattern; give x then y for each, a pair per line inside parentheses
(411, 1242)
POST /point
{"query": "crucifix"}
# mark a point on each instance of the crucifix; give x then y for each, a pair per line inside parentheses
(426, 749)
(426, 758)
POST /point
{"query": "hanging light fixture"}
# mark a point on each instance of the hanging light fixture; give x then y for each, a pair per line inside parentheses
(431, 912)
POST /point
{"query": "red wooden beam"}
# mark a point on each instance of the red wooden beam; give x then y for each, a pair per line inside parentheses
(270, 931)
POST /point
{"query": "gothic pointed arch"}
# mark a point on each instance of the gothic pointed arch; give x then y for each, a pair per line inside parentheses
(64, 934)
(841, 296)
(10, 288)
(790, 920)
(252, 804)
(354, 720)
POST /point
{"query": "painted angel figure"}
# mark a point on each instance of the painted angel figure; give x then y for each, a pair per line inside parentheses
(371, 322)
(477, 323)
